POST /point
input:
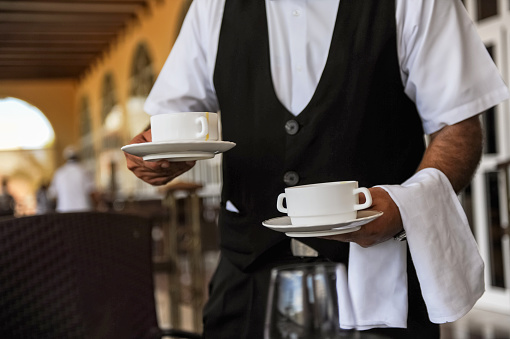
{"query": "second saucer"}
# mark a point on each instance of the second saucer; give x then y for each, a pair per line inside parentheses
(283, 224)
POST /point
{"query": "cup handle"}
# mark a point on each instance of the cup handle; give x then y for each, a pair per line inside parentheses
(368, 198)
(279, 203)
(204, 131)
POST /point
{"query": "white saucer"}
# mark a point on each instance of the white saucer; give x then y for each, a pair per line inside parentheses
(283, 224)
(185, 156)
(178, 150)
(322, 233)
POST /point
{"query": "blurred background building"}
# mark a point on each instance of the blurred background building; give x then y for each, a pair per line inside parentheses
(78, 72)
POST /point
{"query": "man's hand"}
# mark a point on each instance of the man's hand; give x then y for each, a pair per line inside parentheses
(455, 150)
(154, 172)
(379, 230)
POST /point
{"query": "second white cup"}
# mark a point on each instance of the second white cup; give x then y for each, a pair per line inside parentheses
(324, 203)
(184, 126)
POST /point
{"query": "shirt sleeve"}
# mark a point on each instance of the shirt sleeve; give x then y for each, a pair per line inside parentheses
(445, 67)
(185, 81)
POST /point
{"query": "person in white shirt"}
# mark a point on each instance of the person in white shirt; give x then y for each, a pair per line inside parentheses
(315, 91)
(72, 185)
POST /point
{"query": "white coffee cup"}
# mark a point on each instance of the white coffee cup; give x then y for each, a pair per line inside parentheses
(184, 126)
(324, 203)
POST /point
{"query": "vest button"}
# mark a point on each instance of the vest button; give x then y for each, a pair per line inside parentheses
(291, 127)
(291, 178)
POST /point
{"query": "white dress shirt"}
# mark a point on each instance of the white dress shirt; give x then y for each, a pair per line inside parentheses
(434, 38)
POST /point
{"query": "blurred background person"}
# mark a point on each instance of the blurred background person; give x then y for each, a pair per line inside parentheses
(7, 202)
(45, 204)
(72, 186)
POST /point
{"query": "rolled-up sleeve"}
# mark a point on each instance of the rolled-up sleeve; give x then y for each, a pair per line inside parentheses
(185, 81)
(445, 67)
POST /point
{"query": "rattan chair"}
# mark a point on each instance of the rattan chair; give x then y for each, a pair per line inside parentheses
(78, 275)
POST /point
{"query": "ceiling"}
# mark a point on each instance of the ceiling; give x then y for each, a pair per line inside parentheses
(48, 39)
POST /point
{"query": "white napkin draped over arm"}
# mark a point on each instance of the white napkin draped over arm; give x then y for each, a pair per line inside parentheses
(378, 285)
(444, 251)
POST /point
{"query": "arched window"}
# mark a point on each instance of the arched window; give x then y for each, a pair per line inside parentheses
(23, 126)
(87, 143)
(108, 96)
(111, 115)
(85, 123)
(27, 157)
(142, 75)
(141, 81)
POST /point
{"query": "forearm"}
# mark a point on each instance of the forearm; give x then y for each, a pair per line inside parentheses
(456, 150)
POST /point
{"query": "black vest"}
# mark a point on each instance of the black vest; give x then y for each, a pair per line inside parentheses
(359, 124)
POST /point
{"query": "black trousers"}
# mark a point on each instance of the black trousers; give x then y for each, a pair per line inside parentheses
(237, 304)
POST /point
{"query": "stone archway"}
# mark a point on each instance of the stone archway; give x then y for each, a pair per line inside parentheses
(27, 155)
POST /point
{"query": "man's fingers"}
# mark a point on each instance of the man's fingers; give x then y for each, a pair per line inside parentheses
(160, 172)
(154, 172)
(380, 229)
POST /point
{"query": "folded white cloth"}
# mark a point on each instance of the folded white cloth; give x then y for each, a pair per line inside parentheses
(444, 252)
(378, 285)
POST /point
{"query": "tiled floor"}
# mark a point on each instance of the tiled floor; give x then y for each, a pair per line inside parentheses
(478, 324)
(163, 306)
(161, 281)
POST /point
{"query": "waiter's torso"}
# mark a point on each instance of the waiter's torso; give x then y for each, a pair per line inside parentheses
(358, 125)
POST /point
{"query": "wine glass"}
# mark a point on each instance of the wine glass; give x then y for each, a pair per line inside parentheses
(308, 301)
